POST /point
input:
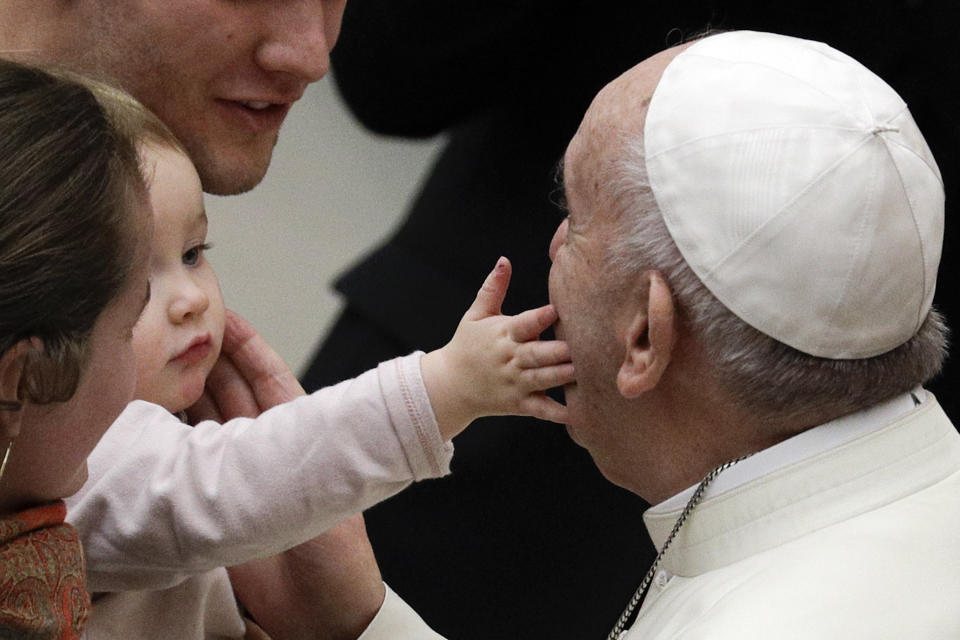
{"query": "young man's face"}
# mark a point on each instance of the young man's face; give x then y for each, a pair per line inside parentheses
(222, 74)
(178, 337)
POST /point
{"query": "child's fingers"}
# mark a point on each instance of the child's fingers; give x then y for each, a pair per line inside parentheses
(534, 354)
(544, 408)
(490, 297)
(547, 377)
(530, 324)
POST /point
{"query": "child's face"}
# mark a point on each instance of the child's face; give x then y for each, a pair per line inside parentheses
(178, 337)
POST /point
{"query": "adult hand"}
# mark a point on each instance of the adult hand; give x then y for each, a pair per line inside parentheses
(248, 378)
(328, 588)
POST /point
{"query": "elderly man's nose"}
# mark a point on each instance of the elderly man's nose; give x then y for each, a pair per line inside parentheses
(559, 236)
(298, 39)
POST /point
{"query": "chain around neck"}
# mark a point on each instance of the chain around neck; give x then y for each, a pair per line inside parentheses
(694, 500)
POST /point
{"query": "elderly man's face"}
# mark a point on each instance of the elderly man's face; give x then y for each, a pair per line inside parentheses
(581, 285)
(585, 290)
(221, 74)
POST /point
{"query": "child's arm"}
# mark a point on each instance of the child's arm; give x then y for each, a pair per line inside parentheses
(165, 500)
(495, 364)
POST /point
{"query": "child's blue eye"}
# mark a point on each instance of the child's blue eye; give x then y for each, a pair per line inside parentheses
(192, 256)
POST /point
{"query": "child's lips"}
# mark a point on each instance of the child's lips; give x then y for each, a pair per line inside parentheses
(198, 349)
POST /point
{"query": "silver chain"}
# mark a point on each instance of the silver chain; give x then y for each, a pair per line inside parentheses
(687, 510)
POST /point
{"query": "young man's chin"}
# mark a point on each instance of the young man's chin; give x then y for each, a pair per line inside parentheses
(233, 168)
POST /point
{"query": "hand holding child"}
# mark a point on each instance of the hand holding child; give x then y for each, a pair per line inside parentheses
(249, 378)
(323, 589)
(495, 364)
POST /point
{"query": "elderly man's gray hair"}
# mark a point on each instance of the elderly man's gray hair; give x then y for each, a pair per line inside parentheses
(769, 378)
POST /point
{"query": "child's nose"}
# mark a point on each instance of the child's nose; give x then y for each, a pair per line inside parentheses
(191, 301)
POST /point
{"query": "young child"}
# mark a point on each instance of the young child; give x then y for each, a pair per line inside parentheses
(178, 338)
(168, 506)
(74, 249)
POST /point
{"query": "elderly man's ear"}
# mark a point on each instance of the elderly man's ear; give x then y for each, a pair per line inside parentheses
(649, 338)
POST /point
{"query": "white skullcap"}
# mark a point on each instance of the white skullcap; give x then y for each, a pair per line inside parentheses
(799, 190)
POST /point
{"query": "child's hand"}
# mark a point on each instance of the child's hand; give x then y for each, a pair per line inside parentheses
(495, 364)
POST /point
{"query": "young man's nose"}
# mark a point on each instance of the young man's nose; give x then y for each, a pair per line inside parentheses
(299, 35)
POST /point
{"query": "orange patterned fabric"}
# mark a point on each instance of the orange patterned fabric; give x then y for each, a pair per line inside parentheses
(43, 591)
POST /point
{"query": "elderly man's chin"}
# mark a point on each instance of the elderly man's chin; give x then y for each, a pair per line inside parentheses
(572, 432)
(571, 400)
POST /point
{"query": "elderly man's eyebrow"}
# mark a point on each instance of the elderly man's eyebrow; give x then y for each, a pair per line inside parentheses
(558, 195)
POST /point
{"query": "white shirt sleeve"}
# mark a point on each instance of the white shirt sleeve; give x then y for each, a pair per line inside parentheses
(165, 500)
(397, 621)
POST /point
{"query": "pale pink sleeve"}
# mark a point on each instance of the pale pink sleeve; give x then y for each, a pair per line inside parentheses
(166, 500)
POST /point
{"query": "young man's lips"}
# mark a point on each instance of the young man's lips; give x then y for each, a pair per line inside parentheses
(198, 349)
(257, 116)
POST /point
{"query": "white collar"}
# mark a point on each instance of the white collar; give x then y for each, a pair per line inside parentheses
(917, 448)
(803, 446)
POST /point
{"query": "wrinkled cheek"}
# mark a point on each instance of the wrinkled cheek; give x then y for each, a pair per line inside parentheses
(554, 289)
